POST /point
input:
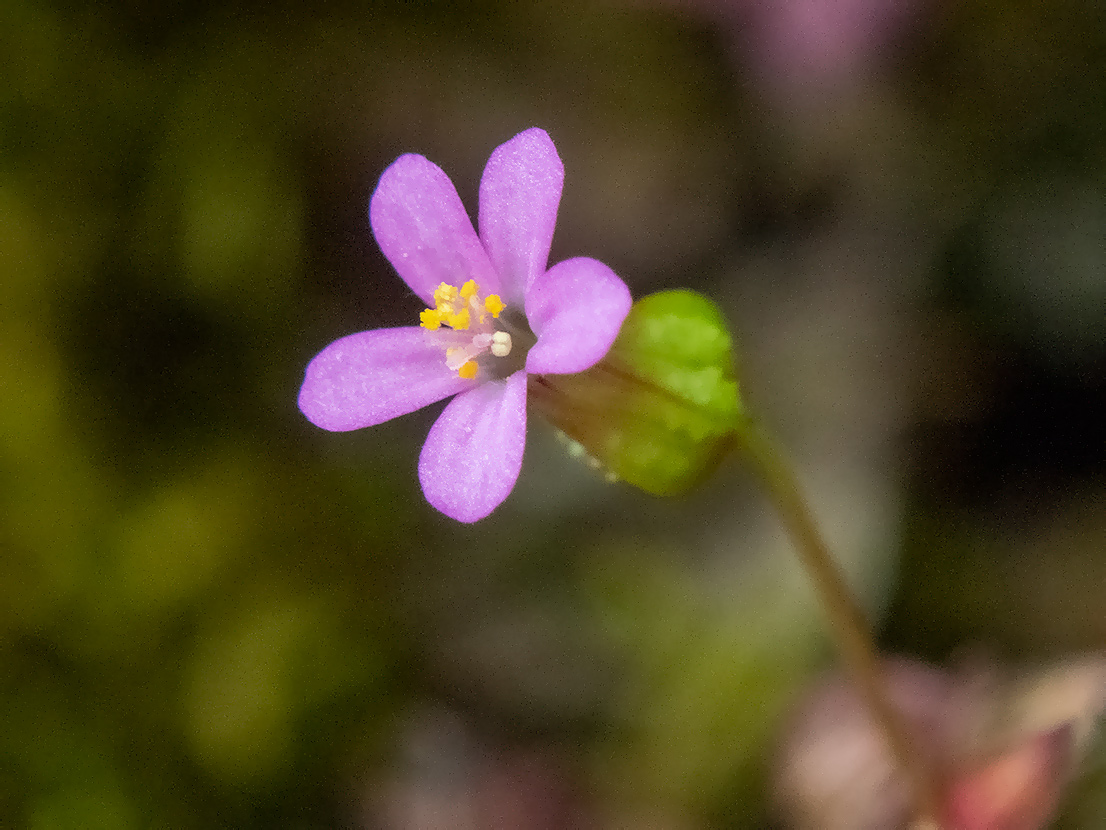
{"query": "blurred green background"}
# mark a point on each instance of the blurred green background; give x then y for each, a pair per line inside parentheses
(213, 614)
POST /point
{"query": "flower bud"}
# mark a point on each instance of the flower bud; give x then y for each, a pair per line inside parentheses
(660, 409)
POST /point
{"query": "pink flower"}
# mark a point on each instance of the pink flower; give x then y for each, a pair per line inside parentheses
(1004, 751)
(813, 44)
(825, 42)
(495, 315)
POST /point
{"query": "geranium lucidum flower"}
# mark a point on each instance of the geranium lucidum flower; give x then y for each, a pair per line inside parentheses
(495, 314)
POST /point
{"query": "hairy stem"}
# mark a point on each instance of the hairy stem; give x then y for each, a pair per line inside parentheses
(848, 625)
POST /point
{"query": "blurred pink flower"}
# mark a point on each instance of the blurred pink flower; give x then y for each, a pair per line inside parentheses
(815, 44)
(451, 778)
(1004, 752)
(1018, 790)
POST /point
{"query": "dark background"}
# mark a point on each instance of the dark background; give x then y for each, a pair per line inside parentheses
(213, 614)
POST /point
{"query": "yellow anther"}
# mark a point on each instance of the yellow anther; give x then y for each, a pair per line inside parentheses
(464, 309)
(431, 319)
(459, 321)
(445, 295)
(494, 305)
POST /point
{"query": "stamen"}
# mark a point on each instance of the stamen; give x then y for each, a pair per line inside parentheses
(495, 305)
(431, 319)
(445, 295)
(460, 321)
(456, 357)
(464, 310)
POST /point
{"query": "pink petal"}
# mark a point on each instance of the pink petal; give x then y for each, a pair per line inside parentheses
(473, 454)
(576, 309)
(1016, 791)
(422, 228)
(374, 376)
(519, 195)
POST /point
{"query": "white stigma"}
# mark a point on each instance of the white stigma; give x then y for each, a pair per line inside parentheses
(501, 344)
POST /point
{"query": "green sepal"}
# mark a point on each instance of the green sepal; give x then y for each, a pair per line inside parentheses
(660, 409)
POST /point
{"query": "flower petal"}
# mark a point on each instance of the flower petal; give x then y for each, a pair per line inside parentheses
(374, 376)
(422, 228)
(473, 454)
(576, 310)
(519, 195)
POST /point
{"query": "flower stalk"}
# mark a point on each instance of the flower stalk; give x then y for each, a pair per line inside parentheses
(848, 625)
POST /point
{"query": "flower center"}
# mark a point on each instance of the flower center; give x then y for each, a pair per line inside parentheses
(471, 317)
